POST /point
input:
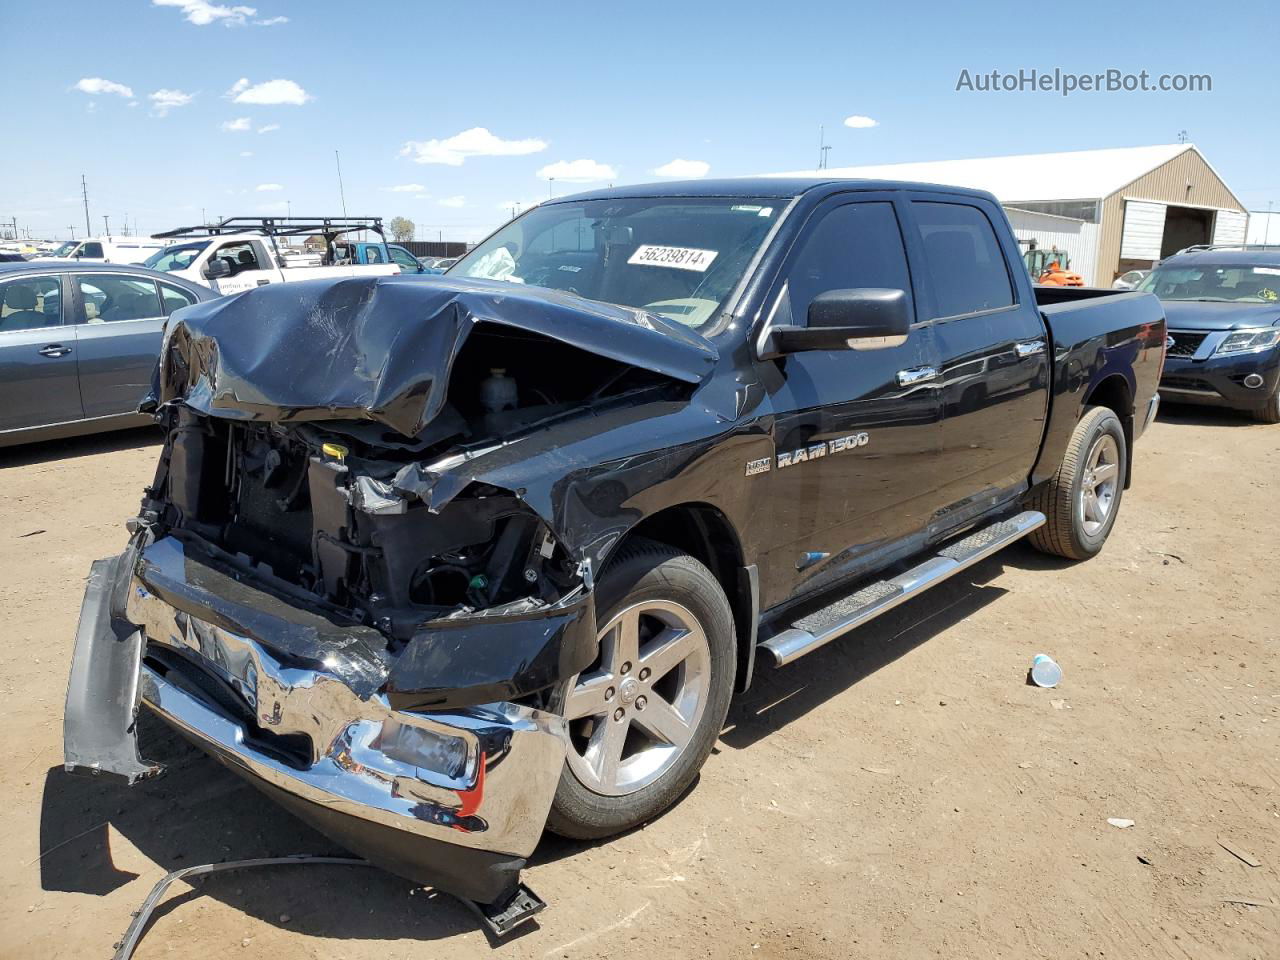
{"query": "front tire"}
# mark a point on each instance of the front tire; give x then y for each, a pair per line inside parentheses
(644, 717)
(1080, 503)
(1269, 412)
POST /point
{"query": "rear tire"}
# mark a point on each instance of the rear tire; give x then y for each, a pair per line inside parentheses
(644, 717)
(1080, 503)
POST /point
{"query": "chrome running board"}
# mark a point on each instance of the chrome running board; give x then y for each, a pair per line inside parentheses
(812, 631)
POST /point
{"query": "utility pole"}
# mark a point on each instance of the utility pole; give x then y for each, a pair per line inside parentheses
(1182, 136)
(72, 228)
(551, 182)
(341, 193)
(84, 192)
(822, 147)
(1266, 230)
(106, 225)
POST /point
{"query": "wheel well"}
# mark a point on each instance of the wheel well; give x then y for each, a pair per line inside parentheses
(1113, 392)
(706, 534)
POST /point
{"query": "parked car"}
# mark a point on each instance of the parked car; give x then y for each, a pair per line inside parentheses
(366, 252)
(241, 253)
(1129, 280)
(1223, 305)
(78, 344)
(438, 565)
(106, 250)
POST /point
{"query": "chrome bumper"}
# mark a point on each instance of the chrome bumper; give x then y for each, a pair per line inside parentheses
(479, 778)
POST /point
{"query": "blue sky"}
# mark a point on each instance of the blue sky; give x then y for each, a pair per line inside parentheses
(174, 107)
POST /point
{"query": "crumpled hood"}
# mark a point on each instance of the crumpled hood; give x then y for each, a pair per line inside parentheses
(381, 348)
(1208, 315)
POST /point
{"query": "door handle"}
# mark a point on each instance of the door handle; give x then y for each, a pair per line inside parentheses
(909, 378)
(54, 350)
(1028, 348)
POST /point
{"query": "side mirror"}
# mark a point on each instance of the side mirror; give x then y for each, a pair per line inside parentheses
(865, 318)
(215, 269)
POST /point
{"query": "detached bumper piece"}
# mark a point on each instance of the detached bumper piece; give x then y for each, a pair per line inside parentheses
(452, 799)
(102, 695)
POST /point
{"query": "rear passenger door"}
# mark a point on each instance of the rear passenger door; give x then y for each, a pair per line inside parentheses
(120, 325)
(993, 348)
(37, 354)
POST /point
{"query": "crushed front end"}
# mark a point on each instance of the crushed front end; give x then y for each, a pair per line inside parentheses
(324, 597)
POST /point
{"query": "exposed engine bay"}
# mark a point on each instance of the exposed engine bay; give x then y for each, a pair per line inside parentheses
(317, 507)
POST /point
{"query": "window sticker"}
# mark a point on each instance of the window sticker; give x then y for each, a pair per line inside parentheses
(679, 258)
(1268, 271)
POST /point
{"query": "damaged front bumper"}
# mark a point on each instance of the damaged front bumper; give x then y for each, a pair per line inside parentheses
(455, 798)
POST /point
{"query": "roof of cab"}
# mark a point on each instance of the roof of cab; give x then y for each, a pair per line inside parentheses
(782, 188)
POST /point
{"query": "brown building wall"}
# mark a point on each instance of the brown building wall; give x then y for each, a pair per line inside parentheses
(1165, 184)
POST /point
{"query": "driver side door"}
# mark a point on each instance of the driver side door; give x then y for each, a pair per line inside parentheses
(856, 432)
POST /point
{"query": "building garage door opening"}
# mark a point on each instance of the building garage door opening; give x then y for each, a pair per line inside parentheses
(1185, 227)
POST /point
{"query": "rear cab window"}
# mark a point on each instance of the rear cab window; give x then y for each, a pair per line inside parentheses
(966, 266)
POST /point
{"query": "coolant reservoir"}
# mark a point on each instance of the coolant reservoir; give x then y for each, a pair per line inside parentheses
(498, 391)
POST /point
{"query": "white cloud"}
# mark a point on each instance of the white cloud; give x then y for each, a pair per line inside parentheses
(859, 122)
(267, 128)
(268, 93)
(133, 103)
(683, 169)
(164, 100)
(269, 187)
(454, 202)
(238, 125)
(96, 85)
(202, 13)
(422, 196)
(405, 188)
(578, 171)
(246, 153)
(476, 142)
(270, 21)
(275, 206)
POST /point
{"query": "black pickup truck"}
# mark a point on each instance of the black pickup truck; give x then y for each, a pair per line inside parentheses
(441, 564)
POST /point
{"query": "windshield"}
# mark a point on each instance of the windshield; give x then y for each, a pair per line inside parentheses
(1227, 283)
(62, 249)
(678, 257)
(178, 257)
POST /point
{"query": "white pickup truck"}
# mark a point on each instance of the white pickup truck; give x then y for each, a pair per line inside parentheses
(241, 253)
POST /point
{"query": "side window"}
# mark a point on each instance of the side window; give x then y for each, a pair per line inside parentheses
(174, 298)
(404, 258)
(239, 256)
(965, 263)
(109, 299)
(91, 250)
(855, 245)
(30, 303)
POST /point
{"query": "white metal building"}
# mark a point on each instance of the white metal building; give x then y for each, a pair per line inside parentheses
(1110, 210)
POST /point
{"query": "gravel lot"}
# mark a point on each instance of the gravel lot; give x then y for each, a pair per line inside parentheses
(902, 793)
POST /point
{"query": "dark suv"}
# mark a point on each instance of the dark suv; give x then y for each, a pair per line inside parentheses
(1223, 308)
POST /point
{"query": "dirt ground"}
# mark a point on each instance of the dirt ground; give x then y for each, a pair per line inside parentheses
(902, 793)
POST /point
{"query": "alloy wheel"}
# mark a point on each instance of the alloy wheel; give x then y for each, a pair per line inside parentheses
(632, 715)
